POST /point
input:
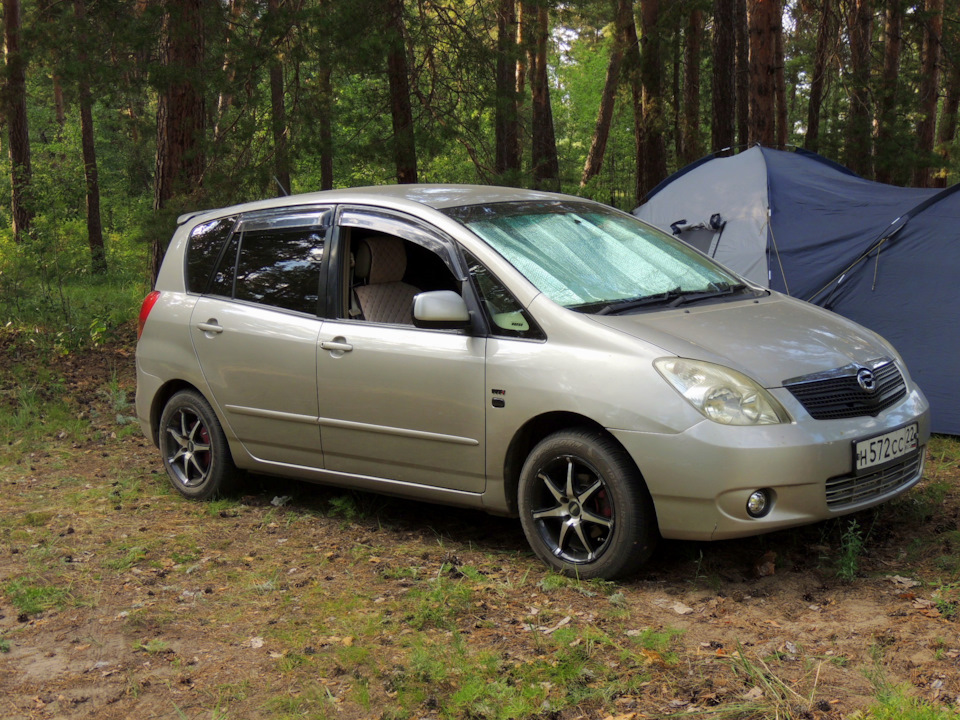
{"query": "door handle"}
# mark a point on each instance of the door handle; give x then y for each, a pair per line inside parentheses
(210, 326)
(336, 345)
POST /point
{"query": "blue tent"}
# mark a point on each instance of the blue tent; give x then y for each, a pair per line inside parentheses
(882, 255)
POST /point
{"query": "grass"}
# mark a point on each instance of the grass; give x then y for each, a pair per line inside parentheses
(358, 619)
(33, 596)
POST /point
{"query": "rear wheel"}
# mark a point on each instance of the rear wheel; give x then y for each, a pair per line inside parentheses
(584, 507)
(194, 448)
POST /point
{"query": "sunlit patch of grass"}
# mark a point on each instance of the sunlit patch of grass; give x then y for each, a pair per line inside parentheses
(438, 604)
(32, 597)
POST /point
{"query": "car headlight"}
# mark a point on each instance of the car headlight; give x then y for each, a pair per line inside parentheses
(721, 394)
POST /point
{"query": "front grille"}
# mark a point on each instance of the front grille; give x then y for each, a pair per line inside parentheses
(838, 394)
(850, 490)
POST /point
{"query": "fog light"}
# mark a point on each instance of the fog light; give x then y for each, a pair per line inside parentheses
(758, 504)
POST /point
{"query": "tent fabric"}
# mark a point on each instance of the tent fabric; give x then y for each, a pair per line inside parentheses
(737, 189)
(882, 255)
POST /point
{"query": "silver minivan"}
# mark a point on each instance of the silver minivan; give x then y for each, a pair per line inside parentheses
(526, 353)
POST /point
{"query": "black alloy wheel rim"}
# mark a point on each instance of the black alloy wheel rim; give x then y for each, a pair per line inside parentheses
(574, 511)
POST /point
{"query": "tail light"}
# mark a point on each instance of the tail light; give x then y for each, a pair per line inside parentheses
(148, 302)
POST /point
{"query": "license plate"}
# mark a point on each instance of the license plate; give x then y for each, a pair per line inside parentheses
(885, 448)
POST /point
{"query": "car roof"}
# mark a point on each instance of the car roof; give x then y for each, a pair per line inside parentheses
(411, 197)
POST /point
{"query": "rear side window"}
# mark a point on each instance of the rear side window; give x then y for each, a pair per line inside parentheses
(206, 242)
(280, 268)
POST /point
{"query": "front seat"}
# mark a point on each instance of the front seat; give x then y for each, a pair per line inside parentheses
(380, 263)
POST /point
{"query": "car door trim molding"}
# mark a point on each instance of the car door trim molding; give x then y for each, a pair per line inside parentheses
(272, 414)
(351, 425)
(401, 432)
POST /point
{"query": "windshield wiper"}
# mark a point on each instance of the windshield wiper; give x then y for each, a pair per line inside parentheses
(719, 290)
(655, 299)
(673, 298)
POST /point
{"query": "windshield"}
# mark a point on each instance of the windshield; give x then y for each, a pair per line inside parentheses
(592, 258)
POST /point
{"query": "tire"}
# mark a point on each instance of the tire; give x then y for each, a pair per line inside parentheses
(584, 507)
(194, 449)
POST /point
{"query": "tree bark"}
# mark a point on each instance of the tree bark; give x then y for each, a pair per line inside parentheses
(742, 72)
(929, 86)
(278, 109)
(180, 110)
(225, 98)
(947, 131)
(325, 121)
(651, 71)
(887, 160)
(690, 145)
(764, 22)
(724, 110)
(98, 257)
(818, 80)
(631, 71)
(601, 133)
(14, 94)
(401, 111)
(546, 164)
(507, 121)
(858, 155)
(780, 85)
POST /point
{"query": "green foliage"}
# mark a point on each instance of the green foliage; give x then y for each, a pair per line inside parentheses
(851, 548)
(31, 596)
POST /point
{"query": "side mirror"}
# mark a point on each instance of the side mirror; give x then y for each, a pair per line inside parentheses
(440, 310)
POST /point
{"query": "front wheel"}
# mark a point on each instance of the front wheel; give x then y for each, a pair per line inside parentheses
(194, 448)
(584, 507)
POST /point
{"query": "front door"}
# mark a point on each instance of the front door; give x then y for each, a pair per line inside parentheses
(397, 402)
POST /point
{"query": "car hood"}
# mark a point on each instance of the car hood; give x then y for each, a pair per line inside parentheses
(771, 340)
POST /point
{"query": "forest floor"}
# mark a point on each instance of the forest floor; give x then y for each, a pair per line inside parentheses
(119, 599)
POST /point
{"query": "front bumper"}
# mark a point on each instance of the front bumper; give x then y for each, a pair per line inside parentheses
(700, 479)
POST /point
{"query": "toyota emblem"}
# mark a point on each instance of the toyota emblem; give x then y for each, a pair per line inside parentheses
(866, 380)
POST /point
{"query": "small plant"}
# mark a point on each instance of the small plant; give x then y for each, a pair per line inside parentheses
(851, 547)
(32, 598)
(4, 645)
(770, 696)
(151, 647)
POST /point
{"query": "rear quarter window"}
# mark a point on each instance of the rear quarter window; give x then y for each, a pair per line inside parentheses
(206, 242)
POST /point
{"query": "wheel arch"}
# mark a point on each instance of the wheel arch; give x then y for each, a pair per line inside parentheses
(160, 400)
(531, 433)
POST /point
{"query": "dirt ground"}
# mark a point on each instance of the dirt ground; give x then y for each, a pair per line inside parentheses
(155, 627)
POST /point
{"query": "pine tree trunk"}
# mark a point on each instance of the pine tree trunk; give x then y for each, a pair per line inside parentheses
(507, 128)
(401, 111)
(14, 96)
(225, 98)
(947, 131)
(325, 121)
(858, 155)
(546, 164)
(929, 86)
(780, 85)
(818, 80)
(691, 88)
(601, 133)
(651, 71)
(180, 111)
(278, 108)
(742, 72)
(98, 258)
(724, 110)
(631, 71)
(764, 19)
(887, 159)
